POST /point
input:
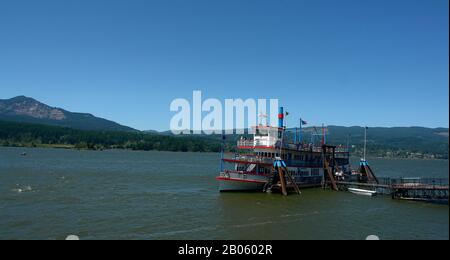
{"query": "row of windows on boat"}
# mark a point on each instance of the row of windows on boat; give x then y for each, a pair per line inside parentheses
(297, 172)
(289, 156)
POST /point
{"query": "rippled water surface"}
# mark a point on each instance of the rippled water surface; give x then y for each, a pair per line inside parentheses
(50, 194)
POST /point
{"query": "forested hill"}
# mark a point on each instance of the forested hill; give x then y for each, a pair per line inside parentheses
(33, 135)
(412, 142)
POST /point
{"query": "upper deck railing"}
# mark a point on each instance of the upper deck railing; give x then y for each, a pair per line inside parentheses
(254, 143)
(250, 144)
(256, 159)
(249, 158)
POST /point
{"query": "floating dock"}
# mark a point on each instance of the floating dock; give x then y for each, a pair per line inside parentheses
(416, 189)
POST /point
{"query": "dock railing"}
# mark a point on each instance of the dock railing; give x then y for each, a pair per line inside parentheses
(405, 188)
(420, 183)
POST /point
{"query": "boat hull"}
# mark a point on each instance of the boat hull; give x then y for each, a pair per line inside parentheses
(229, 184)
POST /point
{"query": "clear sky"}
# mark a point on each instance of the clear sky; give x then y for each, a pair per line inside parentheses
(347, 62)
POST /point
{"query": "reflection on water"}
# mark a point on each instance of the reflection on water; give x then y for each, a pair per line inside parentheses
(51, 194)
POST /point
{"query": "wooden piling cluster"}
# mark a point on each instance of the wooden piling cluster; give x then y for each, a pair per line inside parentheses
(281, 179)
(329, 166)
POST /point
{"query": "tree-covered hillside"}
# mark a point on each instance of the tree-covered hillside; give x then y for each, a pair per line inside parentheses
(412, 142)
(32, 135)
(403, 142)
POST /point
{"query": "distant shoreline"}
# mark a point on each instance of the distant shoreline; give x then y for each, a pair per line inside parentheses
(393, 143)
(72, 147)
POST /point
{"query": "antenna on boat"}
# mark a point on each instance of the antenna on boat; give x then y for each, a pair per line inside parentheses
(364, 168)
(323, 134)
(222, 150)
(302, 122)
(365, 141)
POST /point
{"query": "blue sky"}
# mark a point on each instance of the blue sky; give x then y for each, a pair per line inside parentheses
(348, 62)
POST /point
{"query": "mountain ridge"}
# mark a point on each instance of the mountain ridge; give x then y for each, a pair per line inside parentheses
(25, 109)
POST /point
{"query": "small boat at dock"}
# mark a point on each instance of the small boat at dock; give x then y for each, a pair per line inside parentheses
(362, 192)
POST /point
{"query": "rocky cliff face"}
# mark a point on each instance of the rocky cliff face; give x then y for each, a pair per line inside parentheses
(28, 110)
(23, 106)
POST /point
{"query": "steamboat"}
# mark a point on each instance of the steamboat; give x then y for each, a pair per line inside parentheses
(251, 168)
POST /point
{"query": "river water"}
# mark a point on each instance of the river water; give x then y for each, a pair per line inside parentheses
(52, 193)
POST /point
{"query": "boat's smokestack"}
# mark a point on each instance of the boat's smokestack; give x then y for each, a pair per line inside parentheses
(280, 117)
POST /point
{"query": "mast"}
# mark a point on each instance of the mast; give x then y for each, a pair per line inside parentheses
(300, 132)
(295, 135)
(365, 142)
(222, 148)
(323, 135)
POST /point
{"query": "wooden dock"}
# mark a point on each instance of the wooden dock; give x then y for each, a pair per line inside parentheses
(417, 189)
